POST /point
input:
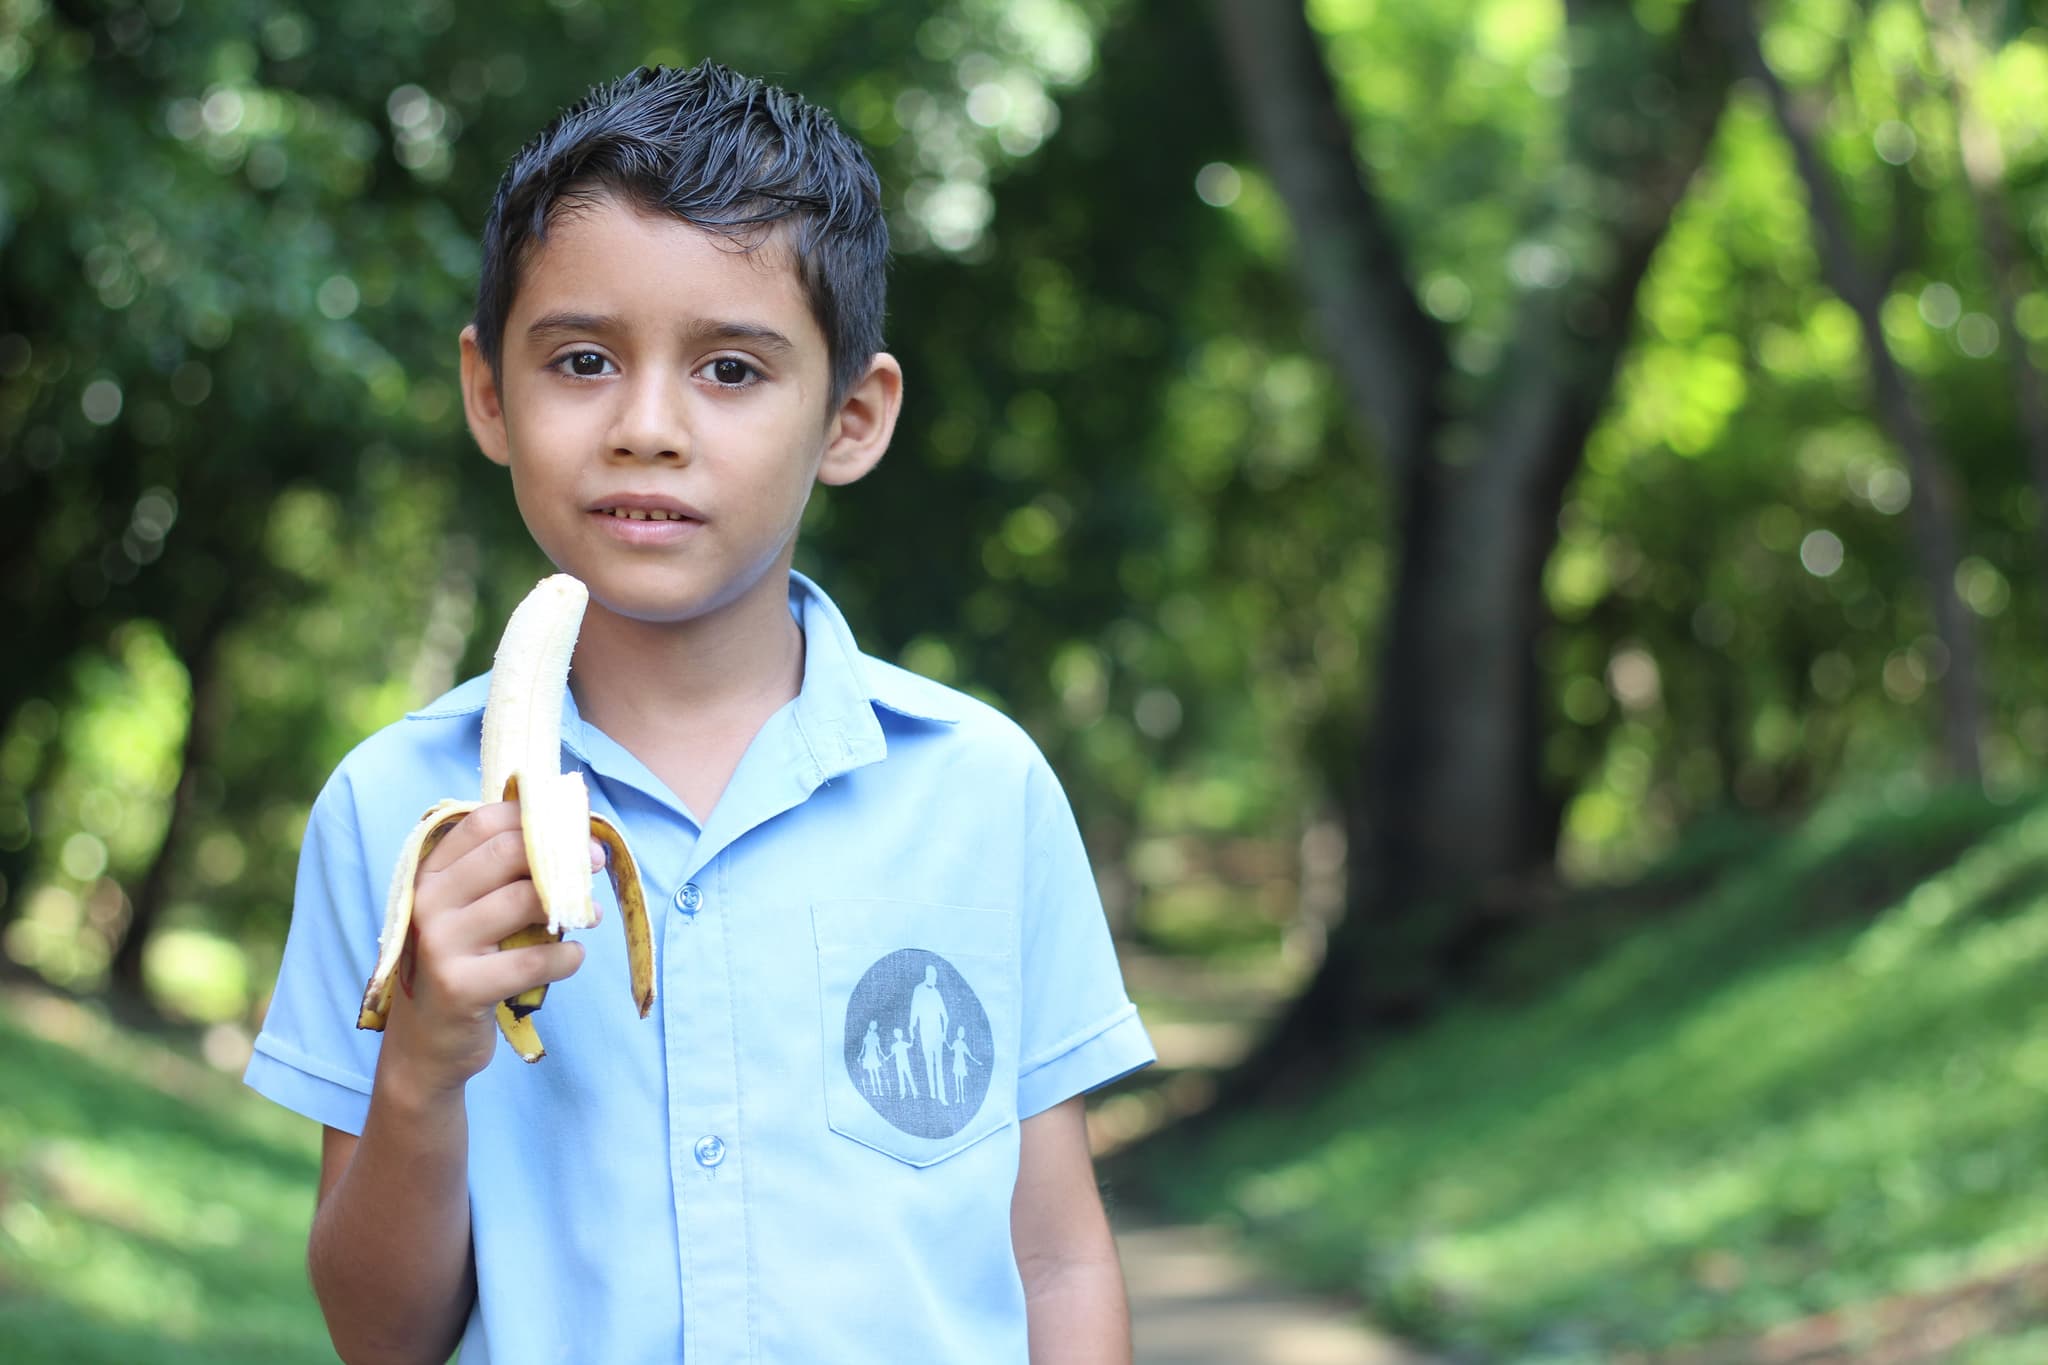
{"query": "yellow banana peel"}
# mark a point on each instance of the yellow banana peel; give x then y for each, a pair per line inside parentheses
(522, 759)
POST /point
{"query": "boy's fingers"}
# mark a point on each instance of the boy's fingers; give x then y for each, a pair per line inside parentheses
(489, 918)
(507, 973)
(479, 826)
(489, 865)
(481, 981)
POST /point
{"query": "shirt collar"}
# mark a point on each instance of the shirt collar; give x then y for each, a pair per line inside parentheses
(835, 710)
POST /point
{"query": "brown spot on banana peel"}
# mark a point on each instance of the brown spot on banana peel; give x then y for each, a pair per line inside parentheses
(529, 1000)
(521, 1034)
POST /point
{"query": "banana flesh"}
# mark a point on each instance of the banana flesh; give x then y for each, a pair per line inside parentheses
(521, 760)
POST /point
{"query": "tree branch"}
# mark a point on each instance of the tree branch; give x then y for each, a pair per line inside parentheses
(1389, 354)
(1642, 114)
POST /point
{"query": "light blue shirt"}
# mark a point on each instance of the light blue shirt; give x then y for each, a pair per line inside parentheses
(882, 951)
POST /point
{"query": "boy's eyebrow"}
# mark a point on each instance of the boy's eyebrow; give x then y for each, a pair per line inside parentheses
(753, 333)
(702, 333)
(570, 324)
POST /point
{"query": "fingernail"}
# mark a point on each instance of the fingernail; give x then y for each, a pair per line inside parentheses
(596, 855)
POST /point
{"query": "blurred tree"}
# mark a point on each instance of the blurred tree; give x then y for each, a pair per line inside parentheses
(1451, 809)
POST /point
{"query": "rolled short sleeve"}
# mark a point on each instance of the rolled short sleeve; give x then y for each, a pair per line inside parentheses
(310, 1057)
(1079, 1027)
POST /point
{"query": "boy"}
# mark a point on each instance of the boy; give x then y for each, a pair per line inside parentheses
(677, 334)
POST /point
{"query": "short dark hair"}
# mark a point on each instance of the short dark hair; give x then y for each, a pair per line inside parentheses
(725, 153)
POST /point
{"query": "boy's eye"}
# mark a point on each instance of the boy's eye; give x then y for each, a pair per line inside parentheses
(586, 364)
(731, 372)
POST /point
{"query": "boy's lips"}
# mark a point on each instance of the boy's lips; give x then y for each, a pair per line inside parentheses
(639, 519)
(644, 507)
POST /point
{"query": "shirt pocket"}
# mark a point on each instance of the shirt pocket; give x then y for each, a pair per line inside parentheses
(918, 1017)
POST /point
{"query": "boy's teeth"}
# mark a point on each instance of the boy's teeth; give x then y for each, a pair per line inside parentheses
(640, 514)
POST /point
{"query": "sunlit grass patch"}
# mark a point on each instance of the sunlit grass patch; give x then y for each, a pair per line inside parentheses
(1820, 1084)
(150, 1207)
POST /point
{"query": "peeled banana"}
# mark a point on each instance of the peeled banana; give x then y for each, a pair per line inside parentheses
(522, 760)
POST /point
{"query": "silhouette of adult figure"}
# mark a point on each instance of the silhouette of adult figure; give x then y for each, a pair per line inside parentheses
(928, 1030)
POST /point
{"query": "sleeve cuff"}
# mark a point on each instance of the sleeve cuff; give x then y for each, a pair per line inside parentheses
(1117, 1049)
(322, 1093)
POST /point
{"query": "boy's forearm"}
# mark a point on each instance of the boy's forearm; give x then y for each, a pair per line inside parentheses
(1078, 1314)
(389, 1254)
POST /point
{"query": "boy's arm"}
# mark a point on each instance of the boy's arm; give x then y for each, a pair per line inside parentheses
(1073, 1285)
(389, 1252)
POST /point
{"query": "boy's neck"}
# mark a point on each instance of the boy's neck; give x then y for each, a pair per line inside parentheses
(686, 698)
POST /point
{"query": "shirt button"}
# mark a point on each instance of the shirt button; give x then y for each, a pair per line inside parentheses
(710, 1150)
(689, 899)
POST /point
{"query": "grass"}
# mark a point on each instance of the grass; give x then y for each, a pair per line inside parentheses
(1820, 1082)
(151, 1208)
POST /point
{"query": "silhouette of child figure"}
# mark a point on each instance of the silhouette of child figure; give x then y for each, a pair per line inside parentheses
(905, 1082)
(961, 1057)
(871, 1057)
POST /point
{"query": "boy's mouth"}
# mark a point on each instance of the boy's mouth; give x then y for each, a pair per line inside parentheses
(647, 507)
(644, 514)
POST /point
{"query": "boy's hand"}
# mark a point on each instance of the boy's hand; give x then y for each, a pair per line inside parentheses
(473, 890)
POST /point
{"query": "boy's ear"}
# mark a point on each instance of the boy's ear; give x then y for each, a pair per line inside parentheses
(481, 403)
(861, 428)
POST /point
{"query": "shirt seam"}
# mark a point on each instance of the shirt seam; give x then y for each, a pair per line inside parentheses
(1072, 1041)
(284, 1054)
(816, 775)
(739, 1104)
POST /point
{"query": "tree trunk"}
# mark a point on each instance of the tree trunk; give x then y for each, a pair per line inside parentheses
(209, 705)
(1933, 516)
(1389, 353)
(17, 863)
(1451, 818)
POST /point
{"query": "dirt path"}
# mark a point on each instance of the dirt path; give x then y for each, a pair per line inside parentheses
(1195, 1301)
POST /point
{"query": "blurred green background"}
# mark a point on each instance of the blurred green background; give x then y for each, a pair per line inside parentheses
(1521, 525)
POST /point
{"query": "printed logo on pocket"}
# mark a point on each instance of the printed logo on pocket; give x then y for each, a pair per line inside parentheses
(918, 1043)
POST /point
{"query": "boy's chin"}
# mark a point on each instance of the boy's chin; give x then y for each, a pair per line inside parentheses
(680, 606)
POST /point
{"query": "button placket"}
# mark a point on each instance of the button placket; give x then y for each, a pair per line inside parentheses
(708, 1170)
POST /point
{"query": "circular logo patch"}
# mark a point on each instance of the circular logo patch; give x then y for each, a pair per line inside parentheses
(918, 1044)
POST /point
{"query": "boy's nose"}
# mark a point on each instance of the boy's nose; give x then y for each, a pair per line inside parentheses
(650, 424)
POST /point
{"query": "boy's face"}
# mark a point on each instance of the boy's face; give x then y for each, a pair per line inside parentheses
(663, 402)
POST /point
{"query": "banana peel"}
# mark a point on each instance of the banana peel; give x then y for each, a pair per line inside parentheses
(521, 760)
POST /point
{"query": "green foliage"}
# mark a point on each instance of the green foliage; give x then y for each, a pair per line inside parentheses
(1124, 500)
(1812, 1086)
(1739, 617)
